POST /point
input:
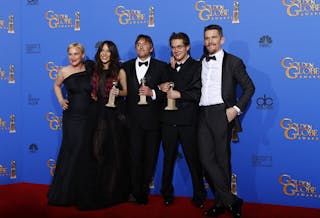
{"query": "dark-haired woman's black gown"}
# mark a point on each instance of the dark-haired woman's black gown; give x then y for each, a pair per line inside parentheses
(111, 150)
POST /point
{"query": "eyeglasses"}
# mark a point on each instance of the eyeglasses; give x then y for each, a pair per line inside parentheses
(179, 47)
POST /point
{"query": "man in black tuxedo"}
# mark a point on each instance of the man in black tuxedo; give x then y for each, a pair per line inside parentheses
(179, 126)
(143, 120)
(219, 110)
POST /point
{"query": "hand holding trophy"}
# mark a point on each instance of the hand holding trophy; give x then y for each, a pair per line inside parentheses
(143, 98)
(111, 95)
(171, 103)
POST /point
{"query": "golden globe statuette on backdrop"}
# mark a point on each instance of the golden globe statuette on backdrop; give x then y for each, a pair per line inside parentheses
(235, 18)
(151, 17)
(11, 74)
(111, 99)
(234, 184)
(143, 98)
(77, 21)
(171, 103)
(11, 24)
(13, 171)
(52, 166)
(12, 128)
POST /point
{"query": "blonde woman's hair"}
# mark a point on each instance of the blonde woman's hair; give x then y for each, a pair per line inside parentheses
(76, 45)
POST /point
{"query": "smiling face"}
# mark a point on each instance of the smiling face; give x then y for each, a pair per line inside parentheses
(179, 50)
(75, 55)
(105, 54)
(143, 48)
(213, 41)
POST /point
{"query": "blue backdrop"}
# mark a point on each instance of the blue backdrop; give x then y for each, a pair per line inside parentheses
(276, 159)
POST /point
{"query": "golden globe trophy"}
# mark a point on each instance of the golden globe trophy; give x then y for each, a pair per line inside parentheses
(52, 166)
(12, 128)
(111, 99)
(13, 174)
(11, 24)
(143, 98)
(234, 136)
(151, 17)
(77, 22)
(235, 18)
(11, 74)
(171, 103)
(234, 184)
(151, 184)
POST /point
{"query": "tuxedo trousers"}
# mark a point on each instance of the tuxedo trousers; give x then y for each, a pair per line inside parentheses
(172, 137)
(144, 150)
(214, 137)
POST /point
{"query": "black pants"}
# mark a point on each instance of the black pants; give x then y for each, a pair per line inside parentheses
(144, 155)
(214, 136)
(185, 135)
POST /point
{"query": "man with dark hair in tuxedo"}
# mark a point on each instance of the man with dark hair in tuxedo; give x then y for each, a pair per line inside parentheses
(179, 126)
(144, 74)
(219, 110)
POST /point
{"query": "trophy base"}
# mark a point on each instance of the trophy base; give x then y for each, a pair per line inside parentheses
(142, 103)
(110, 105)
(170, 108)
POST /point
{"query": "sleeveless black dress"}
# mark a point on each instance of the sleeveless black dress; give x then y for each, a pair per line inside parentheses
(74, 158)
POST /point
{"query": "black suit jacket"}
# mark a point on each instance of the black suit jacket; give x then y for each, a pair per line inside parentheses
(146, 116)
(188, 82)
(233, 74)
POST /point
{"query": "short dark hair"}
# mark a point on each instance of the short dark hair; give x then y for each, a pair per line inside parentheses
(145, 37)
(180, 35)
(214, 27)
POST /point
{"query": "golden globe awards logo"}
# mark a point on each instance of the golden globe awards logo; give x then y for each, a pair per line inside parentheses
(51, 163)
(3, 171)
(294, 187)
(300, 70)
(302, 7)
(298, 131)
(8, 126)
(55, 122)
(52, 69)
(59, 21)
(216, 12)
(10, 77)
(134, 16)
(8, 24)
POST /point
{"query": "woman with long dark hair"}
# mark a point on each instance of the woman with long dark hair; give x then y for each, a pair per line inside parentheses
(110, 147)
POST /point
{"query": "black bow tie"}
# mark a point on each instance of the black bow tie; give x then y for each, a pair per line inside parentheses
(143, 63)
(208, 58)
(178, 65)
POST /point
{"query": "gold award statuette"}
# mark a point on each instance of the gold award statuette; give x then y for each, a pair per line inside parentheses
(111, 96)
(11, 74)
(151, 17)
(12, 128)
(77, 21)
(235, 18)
(171, 103)
(234, 184)
(13, 174)
(143, 98)
(11, 24)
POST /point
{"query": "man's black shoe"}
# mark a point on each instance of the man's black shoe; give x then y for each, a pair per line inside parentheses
(215, 211)
(235, 208)
(167, 201)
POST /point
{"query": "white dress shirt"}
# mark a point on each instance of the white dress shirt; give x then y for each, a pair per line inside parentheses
(141, 72)
(211, 78)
